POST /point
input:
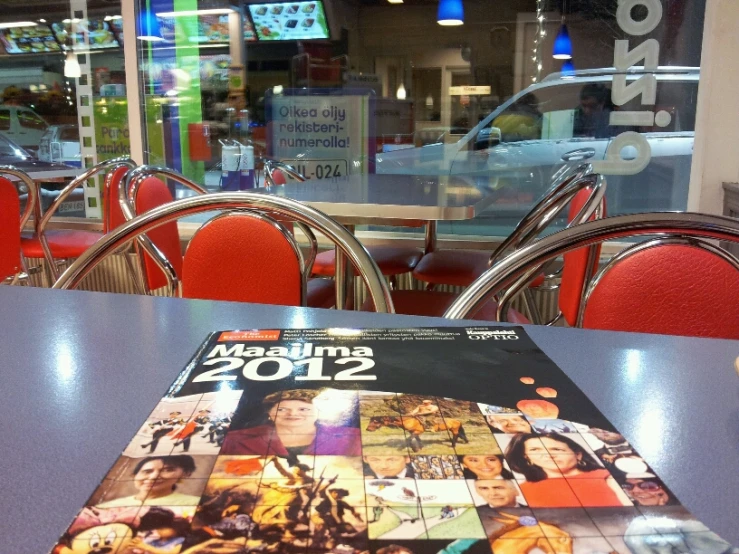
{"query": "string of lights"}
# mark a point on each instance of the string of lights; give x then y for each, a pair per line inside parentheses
(538, 41)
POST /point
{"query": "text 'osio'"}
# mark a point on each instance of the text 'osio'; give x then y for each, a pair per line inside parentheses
(645, 86)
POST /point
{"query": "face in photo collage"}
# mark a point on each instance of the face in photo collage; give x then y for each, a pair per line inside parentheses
(354, 472)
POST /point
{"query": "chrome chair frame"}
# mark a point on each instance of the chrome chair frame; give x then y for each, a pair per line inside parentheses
(271, 165)
(510, 269)
(32, 208)
(347, 243)
(66, 191)
(127, 200)
(127, 196)
(568, 181)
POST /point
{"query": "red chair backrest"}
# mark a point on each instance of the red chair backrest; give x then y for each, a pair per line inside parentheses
(670, 289)
(112, 213)
(10, 231)
(574, 268)
(244, 258)
(279, 177)
(152, 193)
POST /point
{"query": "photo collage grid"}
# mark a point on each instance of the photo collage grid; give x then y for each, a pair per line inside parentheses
(337, 471)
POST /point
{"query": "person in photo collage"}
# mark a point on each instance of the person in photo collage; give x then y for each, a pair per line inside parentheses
(479, 466)
(647, 492)
(559, 472)
(498, 493)
(510, 424)
(291, 428)
(156, 479)
(388, 467)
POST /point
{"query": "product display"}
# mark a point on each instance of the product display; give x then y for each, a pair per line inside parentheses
(386, 441)
(29, 40)
(290, 20)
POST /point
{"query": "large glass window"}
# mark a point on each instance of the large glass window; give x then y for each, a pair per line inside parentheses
(384, 87)
(62, 86)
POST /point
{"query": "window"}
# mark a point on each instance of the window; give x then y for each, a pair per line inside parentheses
(4, 120)
(29, 120)
(485, 100)
(41, 105)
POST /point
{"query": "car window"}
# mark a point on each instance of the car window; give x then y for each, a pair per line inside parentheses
(30, 120)
(4, 120)
(7, 149)
(70, 134)
(558, 112)
(678, 99)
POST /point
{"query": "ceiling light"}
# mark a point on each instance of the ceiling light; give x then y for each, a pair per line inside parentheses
(149, 28)
(401, 93)
(394, 1)
(113, 17)
(450, 13)
(562, 44)
(12, 24)
(568, 69)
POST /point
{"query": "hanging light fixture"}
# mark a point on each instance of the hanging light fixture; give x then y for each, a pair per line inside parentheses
(72, 69)
(562, 42)
(450, 13)
(401, 93)
(149, 28)
(568, 69)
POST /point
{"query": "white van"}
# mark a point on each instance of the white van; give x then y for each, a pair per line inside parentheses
(23, 126)
(61, 144)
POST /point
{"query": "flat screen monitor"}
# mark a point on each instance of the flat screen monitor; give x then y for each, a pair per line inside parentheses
(97, 31)
(205, 29)
(29, 40)
(290, 20)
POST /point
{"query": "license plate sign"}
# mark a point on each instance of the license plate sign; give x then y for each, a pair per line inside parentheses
(78, 206)
(320, 169)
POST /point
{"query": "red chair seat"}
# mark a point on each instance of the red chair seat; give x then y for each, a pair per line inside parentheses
(435, 303)
(321, 293)
(452, 267)
(456, 267)
(392, 260)
(63, 243)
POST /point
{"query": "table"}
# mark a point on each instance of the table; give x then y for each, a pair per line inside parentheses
(389, 199)
(392, 199)
(82, 370)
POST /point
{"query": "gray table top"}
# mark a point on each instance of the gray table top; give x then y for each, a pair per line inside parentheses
(81, 371)
(360, 199)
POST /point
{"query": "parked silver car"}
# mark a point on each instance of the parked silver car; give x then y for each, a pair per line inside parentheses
(565, 118)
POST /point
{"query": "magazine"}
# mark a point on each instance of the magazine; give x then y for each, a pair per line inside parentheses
(386, 441)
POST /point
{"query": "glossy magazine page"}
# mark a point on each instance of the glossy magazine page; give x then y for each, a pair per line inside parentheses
(387, 441)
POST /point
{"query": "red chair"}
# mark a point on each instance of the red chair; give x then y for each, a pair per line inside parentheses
(392, 260)
(62, 244)
(461, 267)
(12, 221)
(579, 188)
(677, 283)
(147, 192)
(276, 279)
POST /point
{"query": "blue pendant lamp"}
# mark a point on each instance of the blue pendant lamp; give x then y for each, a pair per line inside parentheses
(562, 44)
(149, 29)
(450, 13)
(568, 69)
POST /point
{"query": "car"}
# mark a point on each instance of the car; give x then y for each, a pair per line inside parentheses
(22, 125)
(61, 143)
(51, 177)
(565, 118)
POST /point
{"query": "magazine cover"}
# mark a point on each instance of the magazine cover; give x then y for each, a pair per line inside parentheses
(382, 441)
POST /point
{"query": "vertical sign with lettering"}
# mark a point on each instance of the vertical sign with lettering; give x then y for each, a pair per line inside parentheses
(321, 135)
